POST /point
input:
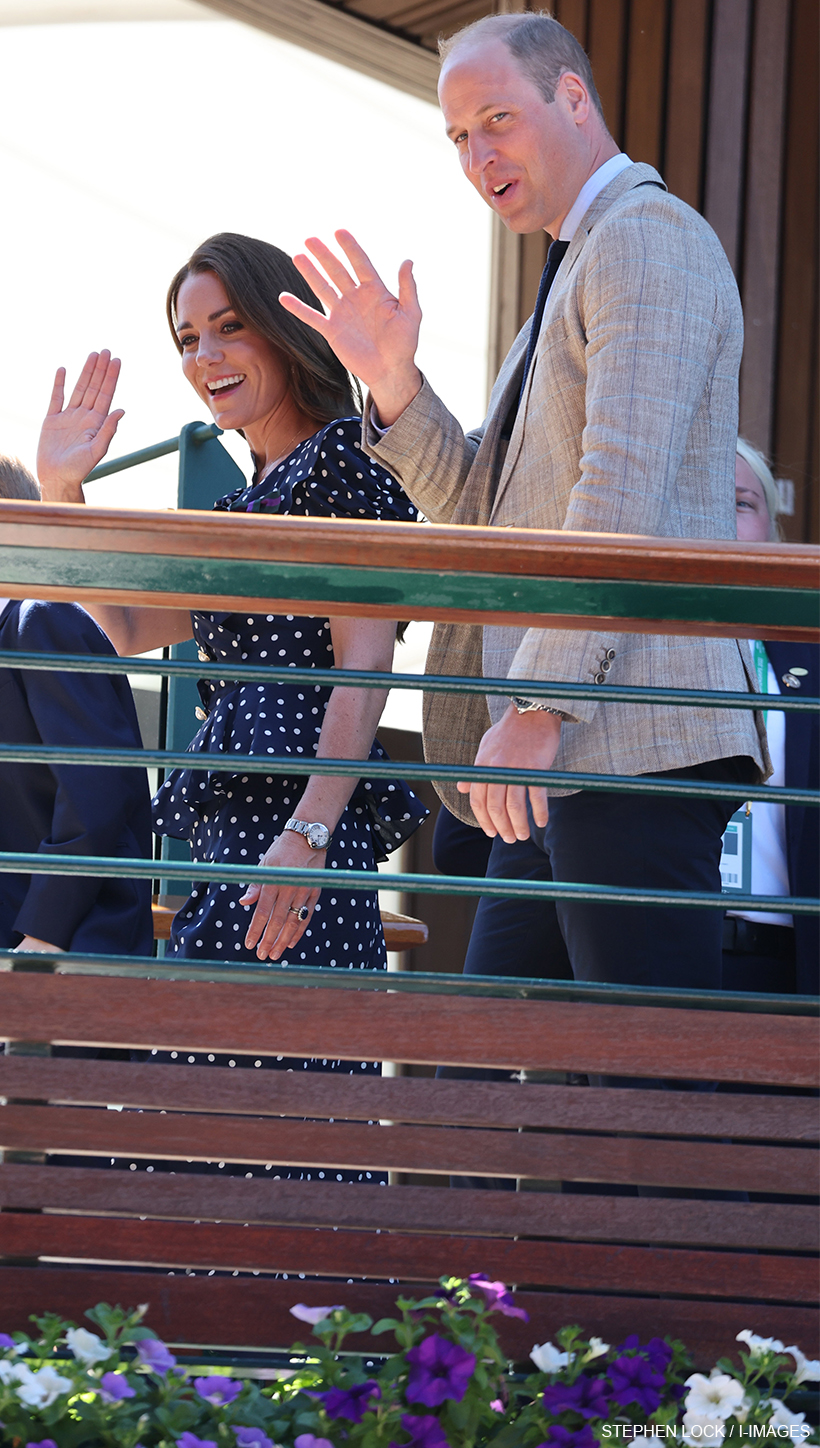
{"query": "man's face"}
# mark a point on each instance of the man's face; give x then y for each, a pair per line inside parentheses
(524, 157)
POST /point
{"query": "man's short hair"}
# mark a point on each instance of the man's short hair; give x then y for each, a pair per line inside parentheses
(544, 49)
(16, 481)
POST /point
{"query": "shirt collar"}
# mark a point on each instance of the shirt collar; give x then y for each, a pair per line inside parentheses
(590, 189)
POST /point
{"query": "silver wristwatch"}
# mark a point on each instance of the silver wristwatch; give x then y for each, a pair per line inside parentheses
(317, 835)
(530, 706)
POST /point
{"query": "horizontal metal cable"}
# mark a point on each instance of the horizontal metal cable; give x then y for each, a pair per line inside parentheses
(238, 763)
(407, 982)
(21, 863)
(431, 683)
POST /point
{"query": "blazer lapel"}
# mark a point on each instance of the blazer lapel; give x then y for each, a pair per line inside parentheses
(639, 174)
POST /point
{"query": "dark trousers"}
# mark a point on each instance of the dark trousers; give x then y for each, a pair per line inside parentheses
(626, 840)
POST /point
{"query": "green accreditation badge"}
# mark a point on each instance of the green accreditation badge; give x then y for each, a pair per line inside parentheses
(736, 854)
(736, 850)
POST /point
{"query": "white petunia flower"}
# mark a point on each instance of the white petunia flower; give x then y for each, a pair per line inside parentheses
(86, 1346)
(807, 1371)
(716, 1397)
(39, 1390)
(597, 1348)
(782, 1418)
(702, 1431)
(10, 1372)
(548, 1359)
(759, 1345)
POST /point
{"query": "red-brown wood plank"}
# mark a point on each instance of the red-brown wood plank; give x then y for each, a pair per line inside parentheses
(444, 1103)
(685, 101)
(452, 547)
(268, 1018)
(796, 385)
(761, 252)
(254, 1312)
(606, 47)
(726, 137)
(654, 1221)
(176, 1136)
(409, 1257)
(646, 81)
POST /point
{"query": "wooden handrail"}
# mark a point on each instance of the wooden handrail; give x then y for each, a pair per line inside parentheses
(456, 548)
(510, 575)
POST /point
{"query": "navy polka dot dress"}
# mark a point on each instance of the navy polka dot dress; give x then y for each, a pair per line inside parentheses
(232, 818)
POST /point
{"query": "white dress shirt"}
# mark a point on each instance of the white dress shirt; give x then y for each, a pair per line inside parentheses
(590, 189)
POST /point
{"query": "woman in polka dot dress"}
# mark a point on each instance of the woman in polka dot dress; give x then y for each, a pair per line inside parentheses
(230, 818)
(264, 373)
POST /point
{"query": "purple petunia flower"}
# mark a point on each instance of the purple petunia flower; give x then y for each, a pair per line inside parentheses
(218, 1391)
(498, 1298)
(659, 1354)
(558, 1437)
(6, 1341)
(587, 1396)
(154, 1354)
(656, 1350)
(309, 1440)
(634, 1380)
(438, 1369)
(114, 1387)
(252, 1438)
(190, 1440)
(43, 1443)
(424, 1432)
(351, 1403)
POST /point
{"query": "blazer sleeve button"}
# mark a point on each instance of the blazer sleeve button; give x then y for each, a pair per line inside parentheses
(606, 666)
(600, 678)
(610, 653)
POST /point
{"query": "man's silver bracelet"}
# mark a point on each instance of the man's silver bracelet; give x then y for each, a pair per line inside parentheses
(530, 706)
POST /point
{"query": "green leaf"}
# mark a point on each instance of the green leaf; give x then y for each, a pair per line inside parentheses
(384, 1324)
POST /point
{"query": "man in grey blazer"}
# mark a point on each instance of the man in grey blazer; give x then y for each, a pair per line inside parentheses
(614, 412)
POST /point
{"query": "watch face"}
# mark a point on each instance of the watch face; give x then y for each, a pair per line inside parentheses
(318, 837)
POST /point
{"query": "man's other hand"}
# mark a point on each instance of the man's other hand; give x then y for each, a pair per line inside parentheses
(517, 741)
(373, 333)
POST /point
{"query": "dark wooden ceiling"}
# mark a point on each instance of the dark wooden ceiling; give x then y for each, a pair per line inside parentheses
(422, 21)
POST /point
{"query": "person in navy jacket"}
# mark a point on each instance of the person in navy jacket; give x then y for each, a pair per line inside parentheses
(68, 809)
(778, 952)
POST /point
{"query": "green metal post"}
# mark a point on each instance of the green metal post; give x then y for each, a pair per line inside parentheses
(206, 472)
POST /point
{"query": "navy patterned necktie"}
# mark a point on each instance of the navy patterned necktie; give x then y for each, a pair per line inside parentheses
(555, 256)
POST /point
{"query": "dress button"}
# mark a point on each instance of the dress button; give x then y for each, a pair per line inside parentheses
(600, 678)
(610, 653)
(200, 713)
(203, 656)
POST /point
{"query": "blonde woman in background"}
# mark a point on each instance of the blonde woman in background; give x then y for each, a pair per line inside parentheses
(768, 950)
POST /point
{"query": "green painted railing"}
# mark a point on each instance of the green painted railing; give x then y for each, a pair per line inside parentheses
(134, 554)
(432, 683)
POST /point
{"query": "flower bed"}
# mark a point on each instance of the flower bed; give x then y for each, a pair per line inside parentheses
(445, 1384)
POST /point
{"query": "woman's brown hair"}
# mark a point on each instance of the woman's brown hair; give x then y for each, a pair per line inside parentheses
(253, 274)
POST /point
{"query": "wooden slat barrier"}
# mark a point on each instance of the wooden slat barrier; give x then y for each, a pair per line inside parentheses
(507, 576)
(254, 1312)
(665, 1222)
(690, 1266)
(273, 1018)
